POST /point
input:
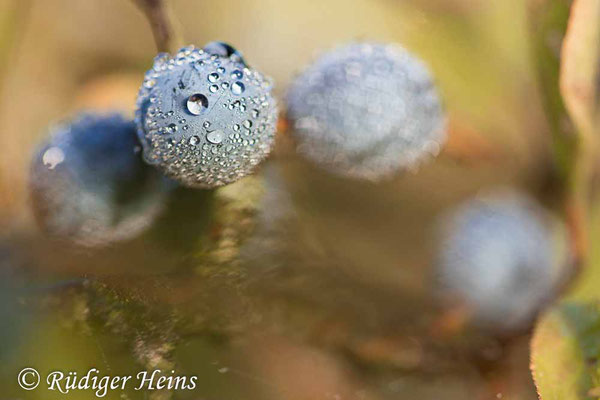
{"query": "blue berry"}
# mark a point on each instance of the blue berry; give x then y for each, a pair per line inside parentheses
(89, 186)
(366, 110)
(204, 117)
(499, 259)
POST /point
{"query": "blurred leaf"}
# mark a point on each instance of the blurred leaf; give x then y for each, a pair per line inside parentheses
(548, 23)
(564, 353)
(580, 65)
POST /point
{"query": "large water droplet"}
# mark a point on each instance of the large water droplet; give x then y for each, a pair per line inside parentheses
(197, 104)
(238, 88)
(215, 137)
(213, 77)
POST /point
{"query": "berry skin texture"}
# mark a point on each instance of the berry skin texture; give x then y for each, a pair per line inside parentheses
(204, 117)
(89, 186)
(366, 111)
(500, 260)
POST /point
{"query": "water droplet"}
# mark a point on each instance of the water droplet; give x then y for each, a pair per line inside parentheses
(171, 128)
(206, 124)
(247, 124)
(213, 77)
(213, 88)
(215, 137)
(224, 50)
(225, 85)
(255, 113)
(52, 157)
(237, 74)
(197, 104)
(238, 88)
(236, 127)
(194, 140)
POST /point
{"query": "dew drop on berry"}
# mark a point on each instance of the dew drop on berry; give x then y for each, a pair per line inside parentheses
(197, 104)
(171, 128)
(194, 140)
(238, 88)
(237, 74)
(215, 137)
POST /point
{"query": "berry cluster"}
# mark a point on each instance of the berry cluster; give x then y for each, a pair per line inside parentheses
(205, 119)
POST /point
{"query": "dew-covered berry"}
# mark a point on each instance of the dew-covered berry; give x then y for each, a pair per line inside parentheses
(500, 259)
(89, 184)
(204, 117)
(366, 110)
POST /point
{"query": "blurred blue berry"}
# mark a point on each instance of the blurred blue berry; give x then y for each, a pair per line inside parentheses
(366, 110)
(89, 186)
(204, 117)
(500, 259)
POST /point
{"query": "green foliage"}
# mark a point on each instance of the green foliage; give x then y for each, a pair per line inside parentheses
(565, 351)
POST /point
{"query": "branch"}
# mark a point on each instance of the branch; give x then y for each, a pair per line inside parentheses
(565, 73)
(579, 71)
(162, 24)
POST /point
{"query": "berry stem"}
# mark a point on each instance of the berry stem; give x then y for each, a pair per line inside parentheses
(160, 17)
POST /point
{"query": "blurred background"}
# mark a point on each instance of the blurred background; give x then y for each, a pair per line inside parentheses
(340, 304)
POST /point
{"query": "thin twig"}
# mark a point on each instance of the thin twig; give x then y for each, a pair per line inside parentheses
(162, 24)
(577, 83)
(577, 209)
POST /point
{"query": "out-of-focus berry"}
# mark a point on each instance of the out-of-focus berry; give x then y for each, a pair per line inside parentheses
(500, 259)
(89, 185)
(204, 117)
(366, 110)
